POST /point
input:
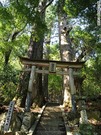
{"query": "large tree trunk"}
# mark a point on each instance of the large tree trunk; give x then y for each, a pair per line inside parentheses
(66, 55)
(35, 51)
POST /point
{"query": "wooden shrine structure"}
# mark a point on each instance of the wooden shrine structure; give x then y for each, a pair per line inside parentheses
(51, 69)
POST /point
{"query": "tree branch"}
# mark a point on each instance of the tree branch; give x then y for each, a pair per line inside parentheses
(14, 35)
(81, 55)
(43, 9)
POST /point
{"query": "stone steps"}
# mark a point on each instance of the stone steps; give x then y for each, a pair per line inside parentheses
(51, 122)
(50, 133)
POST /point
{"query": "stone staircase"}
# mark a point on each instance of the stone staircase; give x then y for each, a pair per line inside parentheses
(51, 122)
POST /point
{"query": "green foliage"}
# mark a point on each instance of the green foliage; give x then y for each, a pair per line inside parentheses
(81, 8)
(50, 16)
(55, 82)
(20, 46)
(54, 52)
(18, 19)
(10, 23)
(55, 86)
(24, 16)
(28, 13)
(86, 129)
(92, 71)
(8, 84)
(83, 41)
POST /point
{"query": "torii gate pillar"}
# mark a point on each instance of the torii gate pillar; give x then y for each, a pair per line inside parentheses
(30, 89)
(72, 88)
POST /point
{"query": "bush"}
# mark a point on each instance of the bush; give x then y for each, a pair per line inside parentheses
(8, 84)
(86, 129)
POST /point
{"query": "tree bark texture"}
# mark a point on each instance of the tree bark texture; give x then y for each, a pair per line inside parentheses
(35, 51)
(66, 54)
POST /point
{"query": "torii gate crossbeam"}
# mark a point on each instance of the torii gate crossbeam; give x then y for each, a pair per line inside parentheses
(46, 63)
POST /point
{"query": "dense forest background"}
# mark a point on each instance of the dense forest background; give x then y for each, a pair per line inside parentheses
(30, 28)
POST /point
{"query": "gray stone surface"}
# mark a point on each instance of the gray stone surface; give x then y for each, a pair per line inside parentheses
(27, 121)
(51, 122)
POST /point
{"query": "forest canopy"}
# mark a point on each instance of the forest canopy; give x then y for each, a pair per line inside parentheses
(31, 28)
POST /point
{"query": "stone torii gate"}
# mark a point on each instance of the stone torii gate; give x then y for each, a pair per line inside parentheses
(52, 69)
